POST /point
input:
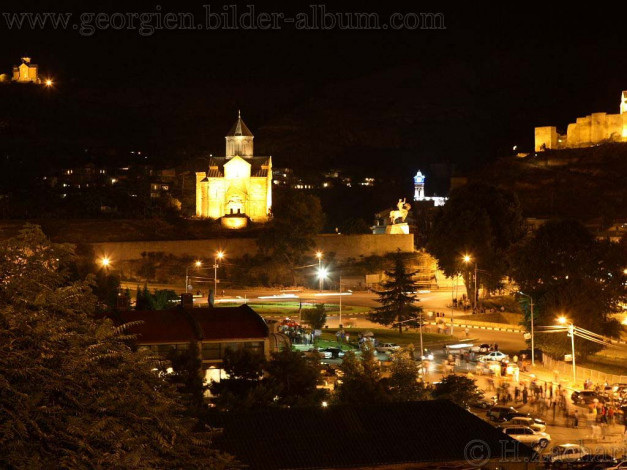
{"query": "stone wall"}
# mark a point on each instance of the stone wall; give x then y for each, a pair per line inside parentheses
(344, 246)
(587, 131)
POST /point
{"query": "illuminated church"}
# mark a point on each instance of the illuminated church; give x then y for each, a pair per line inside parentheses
(236, 187)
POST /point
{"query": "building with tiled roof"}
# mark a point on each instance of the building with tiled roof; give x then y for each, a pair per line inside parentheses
(425, 435)
(214, 330)
(237, 187)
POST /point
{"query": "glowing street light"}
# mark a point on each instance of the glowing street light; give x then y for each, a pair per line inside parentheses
(197, 264)
(320, 278)
(565, 325)
(48, 83)
(105, 262)
(219, 256)
(562, 320)
(468, 259)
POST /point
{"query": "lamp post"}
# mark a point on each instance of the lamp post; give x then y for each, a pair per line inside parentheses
(468, 259)
(197, 264)
(320, 278)
(571, 331)
(533, 348)
(322, 275)
(340, 320)
(219, 256)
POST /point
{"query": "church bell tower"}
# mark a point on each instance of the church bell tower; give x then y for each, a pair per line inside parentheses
(239, 140)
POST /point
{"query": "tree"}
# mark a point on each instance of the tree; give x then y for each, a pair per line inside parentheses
(355, 226)
(568, 272)
(315, 317)
(187, 376)
(297, 219)
(404, 384)
(74, 394)
(361, 380)
(243, 389)
(159, 299)
(294, 378)
(457, 388)
(397, 298)
(482, 221)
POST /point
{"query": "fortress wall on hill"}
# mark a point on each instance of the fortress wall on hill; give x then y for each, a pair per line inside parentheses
(344, 246)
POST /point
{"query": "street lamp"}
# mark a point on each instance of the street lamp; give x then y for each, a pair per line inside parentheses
(533, 352)
(105, 262)
(572, 330)
(468, 259)
(320, 278)
(562, 320)
(219, 256)
(323, 273)
(197, 264)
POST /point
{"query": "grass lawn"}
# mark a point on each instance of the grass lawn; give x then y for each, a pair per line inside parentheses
(388, 336)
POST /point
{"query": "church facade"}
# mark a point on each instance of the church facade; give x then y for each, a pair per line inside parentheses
(26, 72)
(238, 186)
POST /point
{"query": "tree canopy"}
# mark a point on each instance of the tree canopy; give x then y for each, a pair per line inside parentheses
(74, 394)
(459, 389)
(397, 297)
(481, 221)
(568, 272)
(297, 219)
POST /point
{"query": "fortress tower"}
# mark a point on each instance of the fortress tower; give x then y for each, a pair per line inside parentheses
(587, 131)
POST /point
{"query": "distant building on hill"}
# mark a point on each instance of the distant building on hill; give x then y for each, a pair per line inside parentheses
(419, 191)
(587, 131)
(237, 186)
(26, 72)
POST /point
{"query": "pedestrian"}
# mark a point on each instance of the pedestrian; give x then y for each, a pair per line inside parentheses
(525, 395)
(467, 331)
(576, 419)
(516, 394)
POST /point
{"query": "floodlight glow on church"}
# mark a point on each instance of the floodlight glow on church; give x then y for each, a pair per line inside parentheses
(419, 191)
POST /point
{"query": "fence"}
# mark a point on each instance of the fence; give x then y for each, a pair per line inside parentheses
(583, 373)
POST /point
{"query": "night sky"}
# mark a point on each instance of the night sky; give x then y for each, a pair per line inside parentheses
(317, 99)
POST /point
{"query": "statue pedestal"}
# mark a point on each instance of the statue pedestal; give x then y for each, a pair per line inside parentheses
(397, 229)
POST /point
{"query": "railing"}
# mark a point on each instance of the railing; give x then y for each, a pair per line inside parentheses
(583, 373)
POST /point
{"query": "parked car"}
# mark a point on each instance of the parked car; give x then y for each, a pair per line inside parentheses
(528, 436)
(595, 462)
(387, 348)
(496, 413)
(331, 353)
(585, 397)
(520, 414)
(494, 356)
(566, 453)
(525, 421)
(482, 403)
(621, 466)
